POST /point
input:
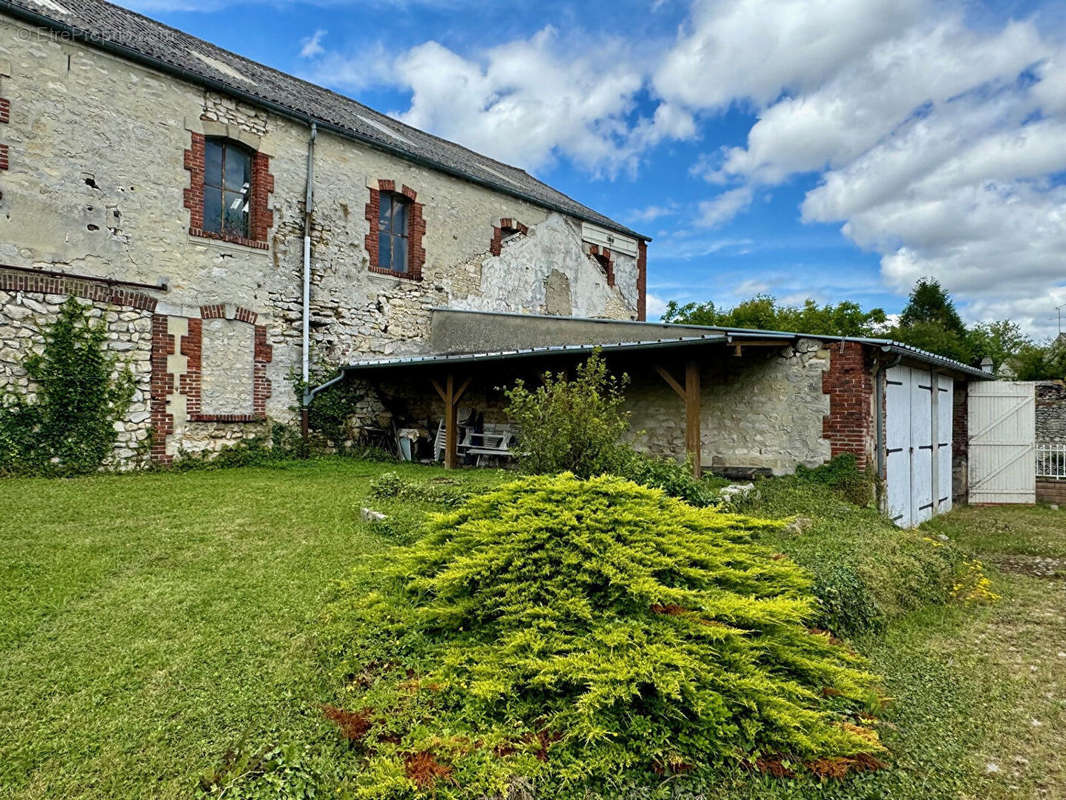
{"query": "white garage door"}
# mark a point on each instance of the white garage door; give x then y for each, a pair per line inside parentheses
(1002, 420)
(918, 418)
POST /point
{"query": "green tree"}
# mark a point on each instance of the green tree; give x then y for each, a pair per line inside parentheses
(1036, 362)
(930, 322)
(68, 426)
(763, 312)
(999, 341)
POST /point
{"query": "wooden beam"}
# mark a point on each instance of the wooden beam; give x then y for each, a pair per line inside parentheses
(462, 389)
(440, 389)
(666, 376)
(693, 440)
(451, 425)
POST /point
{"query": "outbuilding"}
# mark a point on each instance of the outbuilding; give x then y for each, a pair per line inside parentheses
(736, 402)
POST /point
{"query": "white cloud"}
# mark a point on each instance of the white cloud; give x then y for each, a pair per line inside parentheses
(937, 145)
(724, 207)
(527, 100)
(312, 45)
(754, 49)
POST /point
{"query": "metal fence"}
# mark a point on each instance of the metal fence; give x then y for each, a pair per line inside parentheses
(1051, 460)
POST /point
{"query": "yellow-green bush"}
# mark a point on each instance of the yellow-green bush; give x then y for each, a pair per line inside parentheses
(577, 633)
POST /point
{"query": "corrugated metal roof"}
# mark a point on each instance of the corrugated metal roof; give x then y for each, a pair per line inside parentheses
(529, 352)
(719, 335)
(135, 37)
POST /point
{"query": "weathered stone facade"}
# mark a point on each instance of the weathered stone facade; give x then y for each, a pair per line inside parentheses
(24, 315)
(763, 410)
(102, 171)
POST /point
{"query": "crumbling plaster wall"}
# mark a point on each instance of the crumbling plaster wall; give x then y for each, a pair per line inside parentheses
(96, 186)
(764, 410)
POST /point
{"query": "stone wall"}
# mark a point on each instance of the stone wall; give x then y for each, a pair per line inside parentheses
(1051, 411)
(25, 314)
(102, 168)
(764, 409)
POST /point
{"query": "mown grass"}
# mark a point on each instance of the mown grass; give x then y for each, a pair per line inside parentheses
(149, 624)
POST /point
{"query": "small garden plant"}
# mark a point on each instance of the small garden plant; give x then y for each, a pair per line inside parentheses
(575, 634)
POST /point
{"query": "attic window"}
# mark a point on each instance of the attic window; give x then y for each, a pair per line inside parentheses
(394, 241)
(393, 215)
(227, 188)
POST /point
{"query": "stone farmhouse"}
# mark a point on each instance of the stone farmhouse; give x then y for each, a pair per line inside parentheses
(232, 224)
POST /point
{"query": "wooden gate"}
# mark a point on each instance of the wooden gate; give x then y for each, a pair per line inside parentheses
(1002, 422)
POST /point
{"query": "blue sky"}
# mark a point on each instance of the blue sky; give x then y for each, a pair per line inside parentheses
(829, 148)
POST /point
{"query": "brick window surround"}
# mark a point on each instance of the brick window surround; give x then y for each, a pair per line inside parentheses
(416, 228)
(191, 382)
(605, 260)
(261, 218)
(848, 427)
(507, 227)
(5, 110)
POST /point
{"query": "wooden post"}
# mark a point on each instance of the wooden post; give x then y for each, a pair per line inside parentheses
(694, 443)
(690, 395)
(450, 395)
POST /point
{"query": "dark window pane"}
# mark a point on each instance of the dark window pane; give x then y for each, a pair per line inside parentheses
(385, 213)
(399, 218)
(238, 169)
(384, 251)
(213, 163)
(212, 210)
(236, 214)
(399, 254)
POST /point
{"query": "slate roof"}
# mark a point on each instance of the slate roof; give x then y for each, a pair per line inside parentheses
(138, 38)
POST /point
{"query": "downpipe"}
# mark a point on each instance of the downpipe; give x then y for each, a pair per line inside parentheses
(309, 198)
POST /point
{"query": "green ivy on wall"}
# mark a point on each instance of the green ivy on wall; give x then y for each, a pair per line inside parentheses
(66, 426)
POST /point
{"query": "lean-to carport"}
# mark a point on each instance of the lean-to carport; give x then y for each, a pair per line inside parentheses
(677, 361)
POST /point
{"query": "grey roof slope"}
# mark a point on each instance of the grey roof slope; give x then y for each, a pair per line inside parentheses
(128, 34)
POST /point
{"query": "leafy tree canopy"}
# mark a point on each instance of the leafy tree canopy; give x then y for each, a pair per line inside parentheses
(765, 313)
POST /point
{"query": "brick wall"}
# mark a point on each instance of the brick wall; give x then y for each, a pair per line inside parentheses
(1049, 490)
(642, 280)
(960, 444)
(848, 427)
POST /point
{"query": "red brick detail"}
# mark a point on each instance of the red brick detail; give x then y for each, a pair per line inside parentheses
(642, 280)
(218, 311)
(261, 217)
(4, 156)
(261, 388)
(191, 383)
(97, 290)
(604, 259)
(848, 427)
(416, 229)
(5, 110)
(162, 385)
(507, 227)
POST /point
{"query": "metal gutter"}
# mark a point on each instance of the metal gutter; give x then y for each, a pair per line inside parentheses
(91, 39)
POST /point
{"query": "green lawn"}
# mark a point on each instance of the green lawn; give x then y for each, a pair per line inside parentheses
(151, 623)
